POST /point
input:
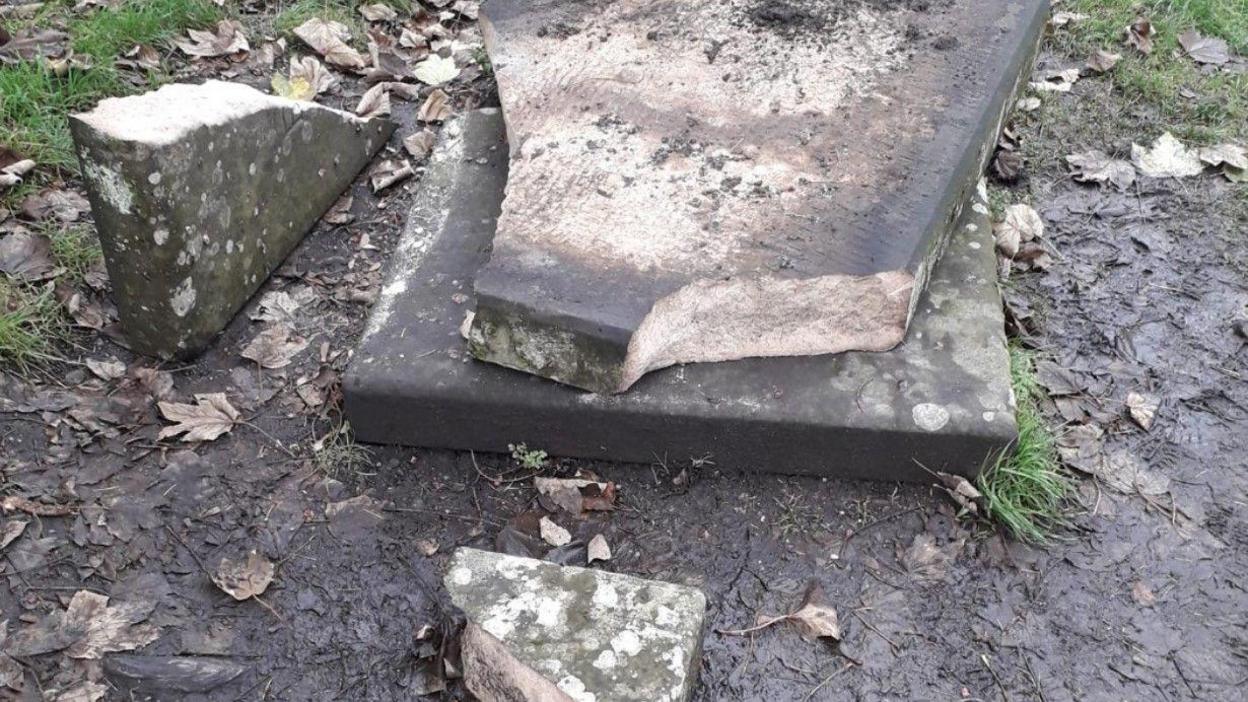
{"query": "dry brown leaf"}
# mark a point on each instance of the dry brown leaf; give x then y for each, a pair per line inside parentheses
(1028, 104)
(437, 108)
(960, 489)
(435, 70)
(375, 102)
(17, 503)
(390, 172)
(1099, 167)
(1202, 49)
(1103, 61)
(1056, 81)
(89, 628)
(229, 38)
(815, 617)
(244, 579)
(1232, 155)
(1167, 158)
(1140, 35)
(140, 57)
(211, 416)
(1143, 409)
(329, 39)
(1143, 594)
(275, 347)
(26, 257)
(31, 44)
(106, 369)
(1021, 224)
(598, 549)
(65, 205)
(12, 529)
(420, 144)
(378, 13)
(1061, 19)
(554, 534)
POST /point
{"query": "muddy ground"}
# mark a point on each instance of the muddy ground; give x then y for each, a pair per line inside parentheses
(1141, 598)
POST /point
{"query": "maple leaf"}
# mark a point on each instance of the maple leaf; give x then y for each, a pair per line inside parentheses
(211, 416)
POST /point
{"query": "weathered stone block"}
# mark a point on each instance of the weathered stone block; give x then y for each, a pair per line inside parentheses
(719, 179)
(538, 631)
(200, 191)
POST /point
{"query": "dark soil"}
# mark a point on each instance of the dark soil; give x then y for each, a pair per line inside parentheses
(1143, 598)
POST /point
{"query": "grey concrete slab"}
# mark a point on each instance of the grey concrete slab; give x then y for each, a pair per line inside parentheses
(200, 191)
(941, 398)
(539, 631)
(711, 180)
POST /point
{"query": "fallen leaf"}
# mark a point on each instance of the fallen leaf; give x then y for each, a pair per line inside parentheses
(598, 549)
(1058, 381)
(435, 70)
(1057, 81)
(156, 383)
(577, 495)
(1099, 167)
(30, 44)
(1143, 409)
(1028, 104)
(296, 89)
(1143, 594)
(1232, 155)
(554, 534)
(1139, 34)
(26, 257)
(211, 416)
(1168, 158)
(375, 102)
(1103, 61)
(89, 628)
(1007, 166)
(81, 691)
(426, 547)
(106, 369)
(17, 503)
(139, 57)
(420, 144)
(11, 174)
(275, 347)
(244, 579)
(314, 73)
(1021, 224)
(378, 13)
(12, 529)
(437, 108)
(387, 64)
(1126, 473)
(928, 562)
(229, 38)
(960, 489)
(1202, 49)
(1061, 19)
(65, 205)
(390, 172)
(329, 39)
(815, 617)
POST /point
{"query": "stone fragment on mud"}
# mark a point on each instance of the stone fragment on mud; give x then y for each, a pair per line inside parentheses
(200, 191)
(538, 631)
(668, 204)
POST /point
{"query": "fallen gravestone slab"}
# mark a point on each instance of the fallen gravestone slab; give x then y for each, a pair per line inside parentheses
(200, 191)
(720, 179)
(941, 399)
(539, 631)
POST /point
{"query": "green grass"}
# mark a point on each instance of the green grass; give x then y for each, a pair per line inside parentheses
(337, 454)
(30, 321)
(1215, 106)
(75, 248)
(1025, 490)
(34, 101)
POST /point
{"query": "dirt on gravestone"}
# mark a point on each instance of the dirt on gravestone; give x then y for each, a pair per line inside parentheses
(1140, 599)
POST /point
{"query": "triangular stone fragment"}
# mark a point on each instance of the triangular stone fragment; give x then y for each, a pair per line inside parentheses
(717, 179)
(200, 191)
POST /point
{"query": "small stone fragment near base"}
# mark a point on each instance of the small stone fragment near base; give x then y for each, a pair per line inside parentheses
(710, 180)
(200, 191)
(538, 631)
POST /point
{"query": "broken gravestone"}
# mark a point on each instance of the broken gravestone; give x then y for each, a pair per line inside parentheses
(538, 631)
(200, 191)
(719, 179)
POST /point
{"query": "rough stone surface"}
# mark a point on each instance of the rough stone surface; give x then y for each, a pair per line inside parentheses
(539, 631)
(942, 398)
(720, 179)
(200, 191)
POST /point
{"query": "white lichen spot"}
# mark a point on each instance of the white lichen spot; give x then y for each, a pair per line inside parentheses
(626, 643)
(605, 595)
(930, 417)
(974, 245)
(461, 576)
(251, 169)
(980, 208)
(972, 227)
(605, 660)
(574, 688)
(183, 298)
(989, 416)
(160, 236)
(548, 611)
(154, 178)
(111, 187)
(229, 247)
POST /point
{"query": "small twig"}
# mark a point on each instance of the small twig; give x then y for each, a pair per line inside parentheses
(436, 513)
(497, 480)
(189, 550)
(1004, 695)
(892, 644)
(269, 607)
(828, 679)
(759, 627)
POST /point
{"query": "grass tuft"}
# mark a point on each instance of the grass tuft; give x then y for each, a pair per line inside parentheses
(1025, 490)
(30, 320)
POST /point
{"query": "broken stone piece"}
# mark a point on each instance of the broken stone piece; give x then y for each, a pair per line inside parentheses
(538, 631)
(200, 191)
(718, 179)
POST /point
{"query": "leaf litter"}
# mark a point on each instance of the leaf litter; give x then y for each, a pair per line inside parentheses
(211, 416)
(814, 617)
(244, 579)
